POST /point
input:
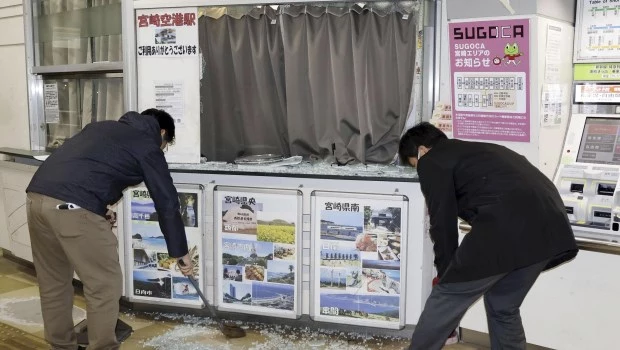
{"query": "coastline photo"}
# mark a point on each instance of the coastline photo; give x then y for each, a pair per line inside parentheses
(273, 295)
(370, 307)
(152, 283)
(281, 271)
(381, 264)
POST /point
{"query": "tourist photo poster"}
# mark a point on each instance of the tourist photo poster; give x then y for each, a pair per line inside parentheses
(155, 276)
(358, 259)
(258, 250)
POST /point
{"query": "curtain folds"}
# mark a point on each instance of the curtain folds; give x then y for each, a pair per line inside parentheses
(307, 80)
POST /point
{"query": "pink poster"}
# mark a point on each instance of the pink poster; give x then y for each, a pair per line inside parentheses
(490, 65)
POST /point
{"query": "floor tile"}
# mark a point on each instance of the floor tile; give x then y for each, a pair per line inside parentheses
(9, 284)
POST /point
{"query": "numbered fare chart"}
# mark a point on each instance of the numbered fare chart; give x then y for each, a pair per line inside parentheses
(490, 92)
(357, 260)
(155, 275)
(258, 251)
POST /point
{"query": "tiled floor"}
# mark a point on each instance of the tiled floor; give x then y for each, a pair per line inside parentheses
(20, 309)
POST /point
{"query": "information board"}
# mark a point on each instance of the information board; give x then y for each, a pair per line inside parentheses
(598, 31)
(359, 255)
(258, 250)
(155, 277)
(490, 63)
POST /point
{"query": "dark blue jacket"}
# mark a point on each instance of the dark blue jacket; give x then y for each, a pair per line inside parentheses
(93, 168)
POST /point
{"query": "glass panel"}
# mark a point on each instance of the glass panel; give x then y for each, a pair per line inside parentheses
(69, 122)
(82, 101)
(77, 31)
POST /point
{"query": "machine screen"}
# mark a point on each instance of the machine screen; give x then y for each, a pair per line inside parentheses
(600, 142)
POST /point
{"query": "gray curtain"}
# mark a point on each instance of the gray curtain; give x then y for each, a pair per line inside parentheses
(336, 77)
(242, 90)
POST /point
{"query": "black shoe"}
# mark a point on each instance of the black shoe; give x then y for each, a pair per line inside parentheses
(81, 347)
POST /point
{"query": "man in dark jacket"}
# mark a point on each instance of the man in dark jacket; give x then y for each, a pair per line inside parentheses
(67, 205)
(519, 229)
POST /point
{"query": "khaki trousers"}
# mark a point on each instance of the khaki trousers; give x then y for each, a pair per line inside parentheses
(68, 240)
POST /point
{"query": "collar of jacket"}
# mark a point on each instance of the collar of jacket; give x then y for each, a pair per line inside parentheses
(145, 123)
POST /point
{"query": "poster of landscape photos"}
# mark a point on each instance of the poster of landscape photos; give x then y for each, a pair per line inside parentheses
(358, 250)
(156, 277)
(258, 257)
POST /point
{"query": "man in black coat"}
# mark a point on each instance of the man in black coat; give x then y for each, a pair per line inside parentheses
(519, 229)
(67, 205)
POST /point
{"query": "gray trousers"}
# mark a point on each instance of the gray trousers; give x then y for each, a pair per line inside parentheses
(503, 295)
(64, 241)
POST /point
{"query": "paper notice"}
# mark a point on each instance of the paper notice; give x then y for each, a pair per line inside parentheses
(552, 97)
(50, 98)
(552, 55)
(169, 97)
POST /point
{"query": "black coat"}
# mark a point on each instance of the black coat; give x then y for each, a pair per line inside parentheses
(516, 213)
(93, 168)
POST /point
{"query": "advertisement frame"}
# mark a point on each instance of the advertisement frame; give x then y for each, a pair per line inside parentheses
(578, 57)
(315, 263)
(217, 250)
(496, 115)
(127, 239)
(583, 84)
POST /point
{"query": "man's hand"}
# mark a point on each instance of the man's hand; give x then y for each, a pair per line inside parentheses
(185, 265)
(435, 281)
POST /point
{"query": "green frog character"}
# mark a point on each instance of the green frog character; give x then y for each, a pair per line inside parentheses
(511, 52)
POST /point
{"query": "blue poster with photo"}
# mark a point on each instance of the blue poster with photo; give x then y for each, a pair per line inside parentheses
(358, 275)
(155, 274)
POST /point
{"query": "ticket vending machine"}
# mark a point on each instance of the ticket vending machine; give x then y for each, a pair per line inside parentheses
(589, 169)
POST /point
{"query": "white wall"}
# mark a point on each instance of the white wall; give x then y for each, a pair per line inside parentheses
(14, 130)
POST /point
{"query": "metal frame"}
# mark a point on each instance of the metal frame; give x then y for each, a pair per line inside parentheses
(578, 38)
(429, 63)
(217, 249)
(128, 250)
(79, 68)
(36, 74)
(314, 264)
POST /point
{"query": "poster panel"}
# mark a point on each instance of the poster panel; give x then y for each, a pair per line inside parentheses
(155, 277)
(258, 256)
(490, 65)
(359, 259)
(598, 31)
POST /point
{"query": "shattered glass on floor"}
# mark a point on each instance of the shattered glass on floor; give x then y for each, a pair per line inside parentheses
(195, 333)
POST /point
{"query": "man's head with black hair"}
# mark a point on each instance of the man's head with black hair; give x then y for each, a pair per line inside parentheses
(166, 124)
(417, 141)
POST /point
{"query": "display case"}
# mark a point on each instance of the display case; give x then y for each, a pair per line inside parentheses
(258, 250)
(359, 259)
(152, 276)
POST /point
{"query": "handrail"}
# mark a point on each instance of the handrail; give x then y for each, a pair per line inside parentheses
(593, 245)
